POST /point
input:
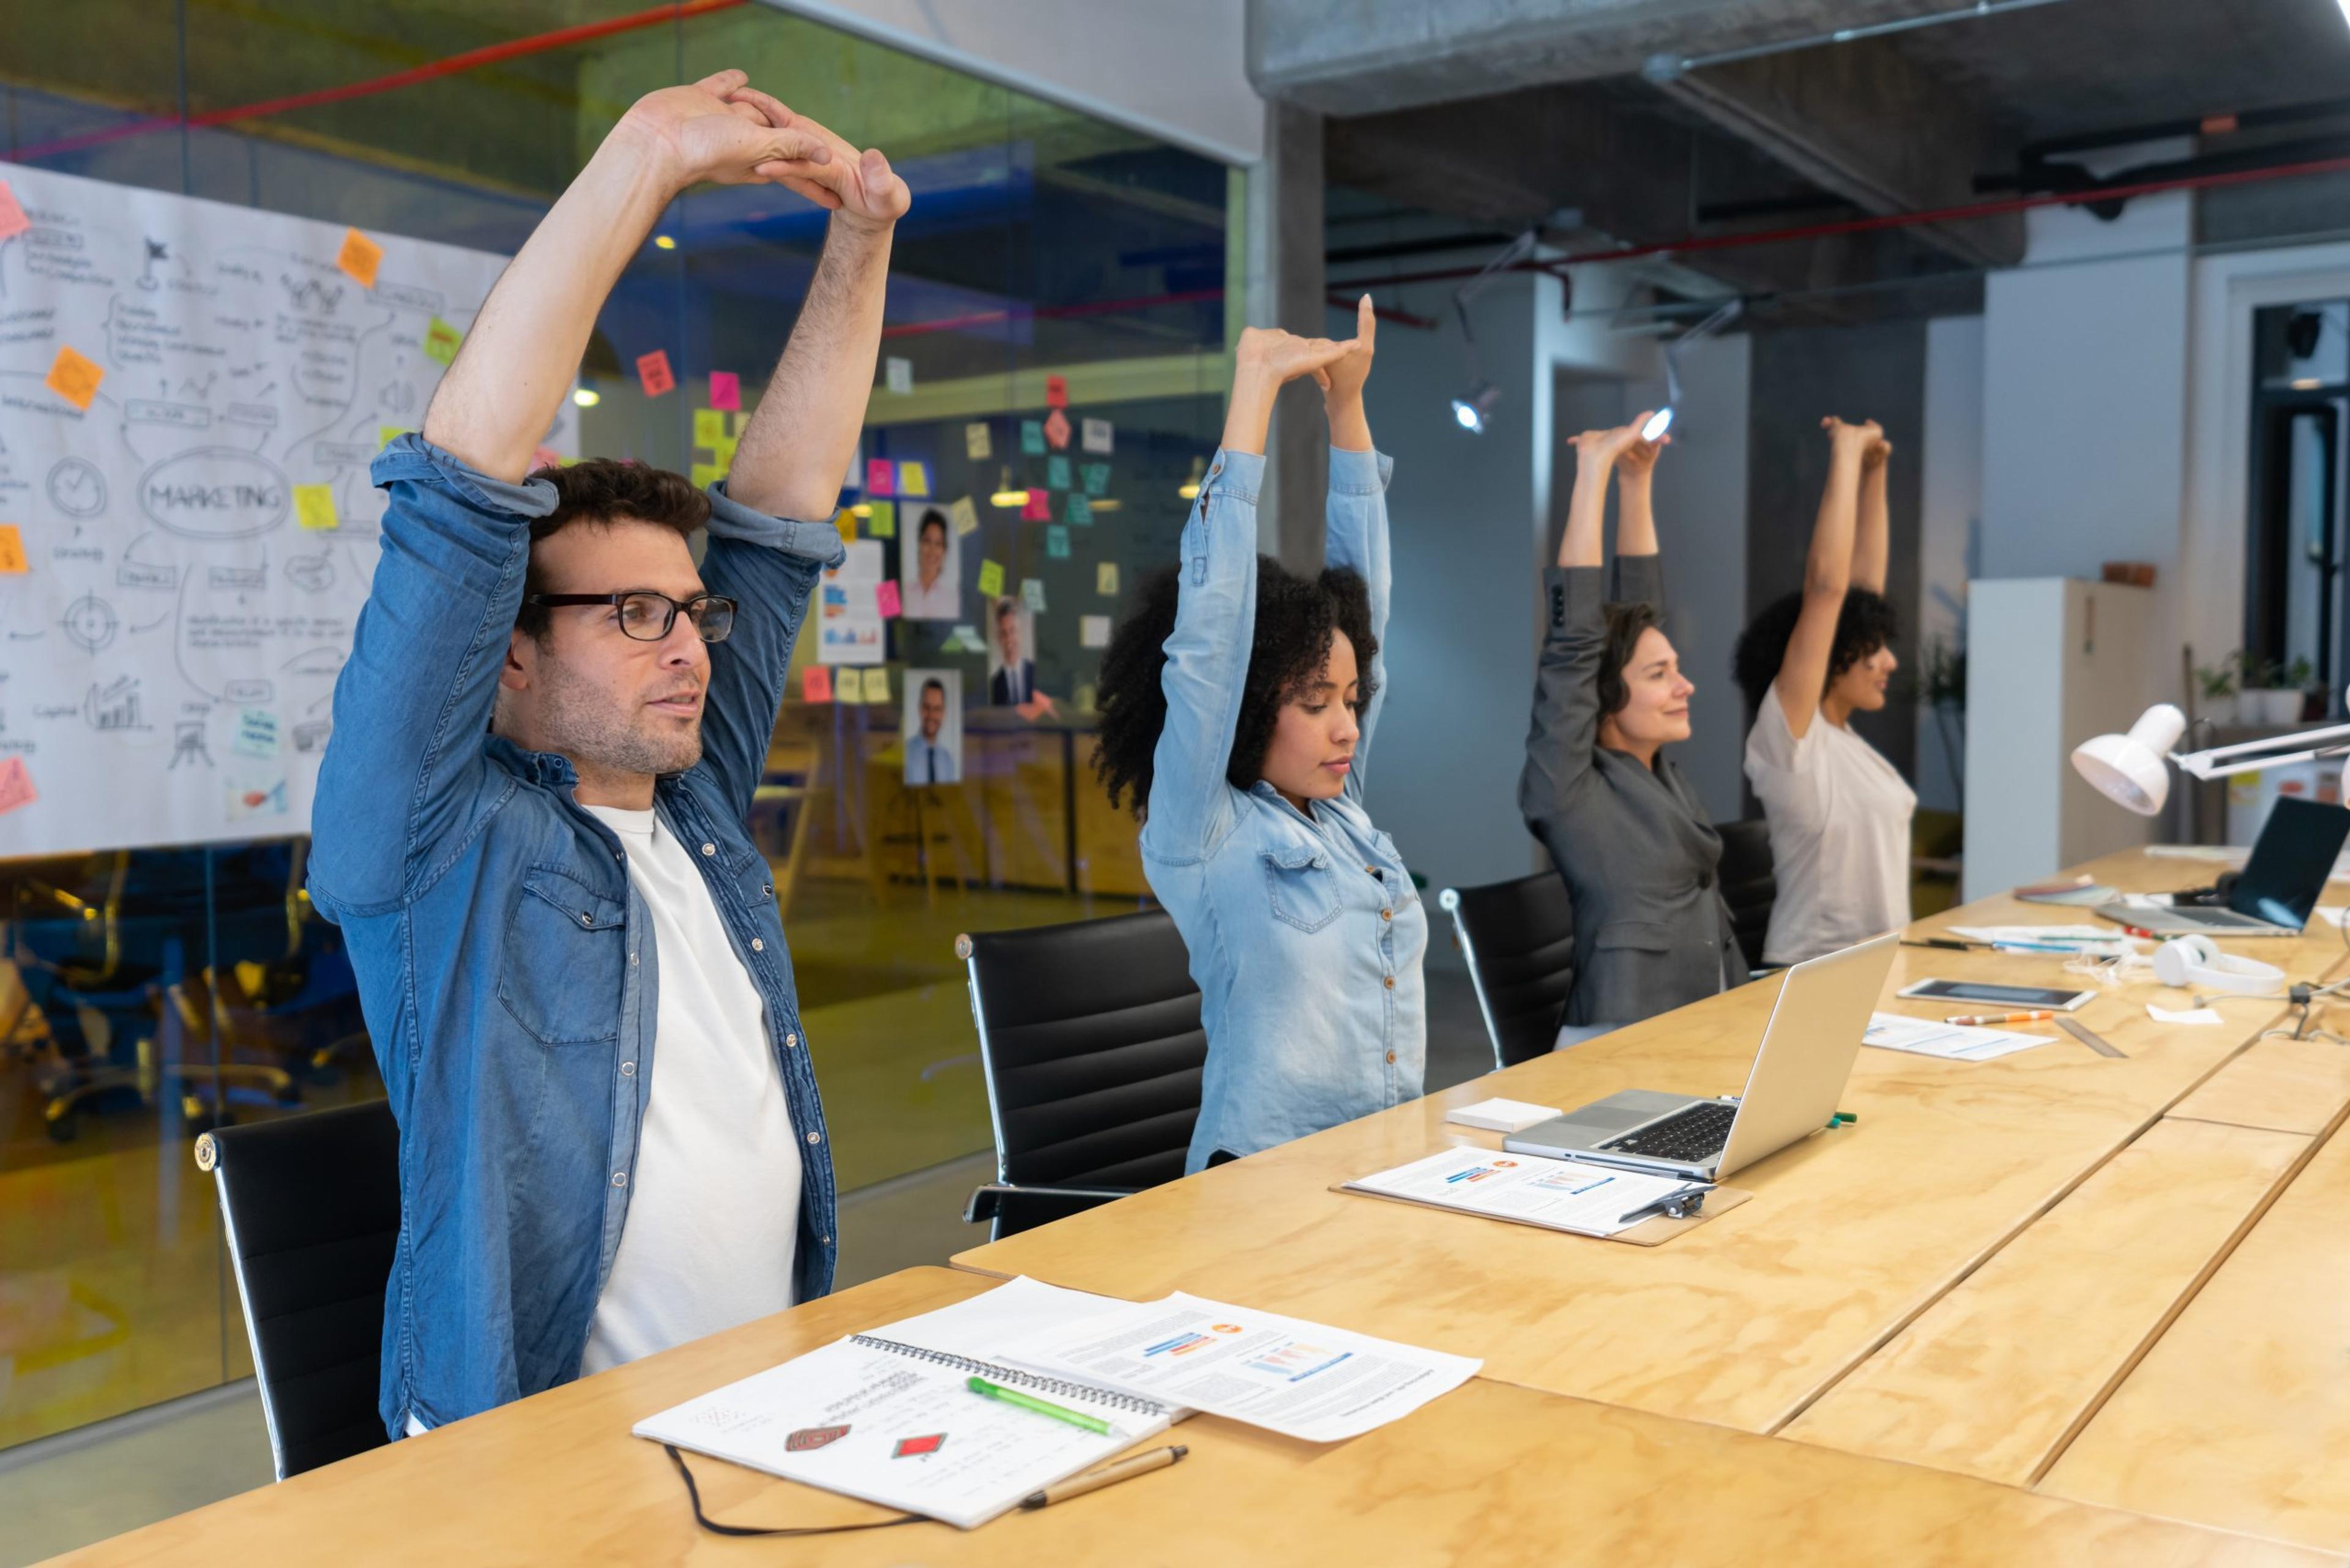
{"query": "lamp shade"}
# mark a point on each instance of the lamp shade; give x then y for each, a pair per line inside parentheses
(2128, 770)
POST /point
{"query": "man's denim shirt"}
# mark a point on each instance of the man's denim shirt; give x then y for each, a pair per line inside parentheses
(505, 962)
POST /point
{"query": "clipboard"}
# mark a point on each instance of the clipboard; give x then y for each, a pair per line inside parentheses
(1653, 1232)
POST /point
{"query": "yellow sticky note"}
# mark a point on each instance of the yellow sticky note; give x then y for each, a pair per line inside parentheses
(965, 516)
(706, 474)
(74, 378)
(1105, 578)
(440, 341)
(387, 434)
(709, 427)
(360, 257)
(914, 479)
(877, 684)
(848, 685)
(883, 522)
(12, 551)
(990, 578)
(721, 451)
(847, 523)
(314, 506)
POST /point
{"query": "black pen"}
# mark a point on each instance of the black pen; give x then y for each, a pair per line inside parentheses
(1669, 1200)
(1948, 943)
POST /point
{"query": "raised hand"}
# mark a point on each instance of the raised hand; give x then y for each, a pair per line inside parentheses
(860, 185)
(1875, 455)
(1282, 357)
(1344, 376)
(1597, 451)
(1858, 438)
(1638, 458)
(700, 132)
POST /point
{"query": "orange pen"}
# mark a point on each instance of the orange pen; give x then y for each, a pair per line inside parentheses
(1981, 1019)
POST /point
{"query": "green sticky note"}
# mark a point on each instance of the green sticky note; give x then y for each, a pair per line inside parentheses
(1031, 594)
(386, 434)
(709, 427)
(1057, 472)
(440, 341)
(1031, 437)
(1097, 477)
(1079, 510)
(881, 523)
(1056, 542)
(706, 474)
(990, 578)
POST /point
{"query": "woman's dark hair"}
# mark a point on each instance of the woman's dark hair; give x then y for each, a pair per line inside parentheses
(1626, 622)
(1866, 623)
(933, 518)
(1297, 619)
(601, 490)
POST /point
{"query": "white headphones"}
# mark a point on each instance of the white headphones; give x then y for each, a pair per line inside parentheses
(2197, 963)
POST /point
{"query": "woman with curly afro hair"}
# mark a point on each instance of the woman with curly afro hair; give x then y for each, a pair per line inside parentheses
(1624, 826)
(1238, 701)
(1839, 812)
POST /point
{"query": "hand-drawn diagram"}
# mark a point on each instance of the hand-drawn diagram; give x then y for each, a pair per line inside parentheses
(181, 595)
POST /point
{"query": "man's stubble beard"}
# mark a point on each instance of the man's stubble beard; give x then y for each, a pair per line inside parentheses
(583, 726)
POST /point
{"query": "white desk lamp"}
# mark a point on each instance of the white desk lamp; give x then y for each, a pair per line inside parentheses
(2128, 771)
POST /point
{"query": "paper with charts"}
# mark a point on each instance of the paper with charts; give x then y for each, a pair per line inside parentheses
(189, 395)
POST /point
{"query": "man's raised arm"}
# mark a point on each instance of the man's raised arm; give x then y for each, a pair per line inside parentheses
(494, 405)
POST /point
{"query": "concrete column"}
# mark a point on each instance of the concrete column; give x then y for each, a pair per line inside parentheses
(1284, 287)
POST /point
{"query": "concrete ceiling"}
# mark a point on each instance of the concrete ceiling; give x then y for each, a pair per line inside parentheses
(1502, 111)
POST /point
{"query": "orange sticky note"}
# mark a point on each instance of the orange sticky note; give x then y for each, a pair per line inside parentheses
(652, 369)
(12, 551)
(13, 221)
(74, 378)
(816, 683)
(16, 785)
(1056, 391)
(360, 257)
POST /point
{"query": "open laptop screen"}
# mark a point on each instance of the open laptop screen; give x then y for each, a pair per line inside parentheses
(2291, 861)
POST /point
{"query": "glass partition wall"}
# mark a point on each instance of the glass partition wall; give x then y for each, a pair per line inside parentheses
(1054, 375)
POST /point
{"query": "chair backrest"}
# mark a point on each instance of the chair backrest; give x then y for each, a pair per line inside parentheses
(1750, 884)
(1090, 1038)
(1519, 939)
(311, 1205)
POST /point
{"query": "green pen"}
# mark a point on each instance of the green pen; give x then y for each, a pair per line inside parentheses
(1027, 1402)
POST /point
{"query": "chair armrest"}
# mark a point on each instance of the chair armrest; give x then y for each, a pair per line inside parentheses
(1038, 1205)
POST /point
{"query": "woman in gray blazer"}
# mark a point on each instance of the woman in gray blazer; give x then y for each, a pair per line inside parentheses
(1625, 828)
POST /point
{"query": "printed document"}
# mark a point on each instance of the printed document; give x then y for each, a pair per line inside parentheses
(1952, 1042)
(1563, 1194)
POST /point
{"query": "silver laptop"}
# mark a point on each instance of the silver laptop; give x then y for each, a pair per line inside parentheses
(1808, 1046)
(2280, 886)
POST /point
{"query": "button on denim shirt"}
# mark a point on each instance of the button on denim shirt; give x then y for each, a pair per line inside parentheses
(1305, 932)
(505, 962)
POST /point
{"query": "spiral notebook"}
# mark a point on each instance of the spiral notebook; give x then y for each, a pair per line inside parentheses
(889, 1416)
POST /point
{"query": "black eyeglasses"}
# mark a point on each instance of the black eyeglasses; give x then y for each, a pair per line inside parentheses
(647, 616)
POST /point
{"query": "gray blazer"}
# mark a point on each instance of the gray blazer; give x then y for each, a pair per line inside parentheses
(1651, 931)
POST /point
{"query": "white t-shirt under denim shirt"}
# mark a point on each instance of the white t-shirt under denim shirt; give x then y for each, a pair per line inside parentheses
(1839, 816)
(713, 1219)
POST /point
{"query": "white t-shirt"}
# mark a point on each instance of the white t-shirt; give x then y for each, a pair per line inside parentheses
(714, 1203)
(1839, 818)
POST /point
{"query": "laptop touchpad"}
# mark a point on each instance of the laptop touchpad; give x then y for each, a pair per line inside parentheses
(1627, 1109)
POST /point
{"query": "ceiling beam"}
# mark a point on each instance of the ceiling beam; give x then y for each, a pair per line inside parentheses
(1864, 122)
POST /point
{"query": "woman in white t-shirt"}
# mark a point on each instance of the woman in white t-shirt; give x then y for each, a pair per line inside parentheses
(1839, 812)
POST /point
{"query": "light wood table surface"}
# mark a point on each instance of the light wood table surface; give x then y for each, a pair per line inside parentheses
(1749, 1319)
(1490, 1472)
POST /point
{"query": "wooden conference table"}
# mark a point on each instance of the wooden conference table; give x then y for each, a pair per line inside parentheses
(2038, 1309)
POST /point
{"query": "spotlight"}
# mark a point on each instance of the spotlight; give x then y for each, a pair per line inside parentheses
(1470, 411)
(1190, 489)
(663, 241)
(1004, 494)
(1658, 423)
(586, 397)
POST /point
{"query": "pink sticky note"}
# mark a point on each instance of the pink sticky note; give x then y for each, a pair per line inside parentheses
(886, 595)
(816, 683)
(1057, 430)
(726, 390)
(546, 457)
(1038, 507)
(652, 369)
(13, 221)
(880, 476)
(16, 785)
(1056, 391)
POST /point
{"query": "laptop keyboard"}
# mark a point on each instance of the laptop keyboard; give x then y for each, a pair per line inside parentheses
(1694, 1135)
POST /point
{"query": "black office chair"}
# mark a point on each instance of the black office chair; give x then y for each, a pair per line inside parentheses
(1090, 1038)
(1519, 939)
(1749, 883)
(311, 1207)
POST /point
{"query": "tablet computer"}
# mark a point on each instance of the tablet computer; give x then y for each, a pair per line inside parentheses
(2060, 998)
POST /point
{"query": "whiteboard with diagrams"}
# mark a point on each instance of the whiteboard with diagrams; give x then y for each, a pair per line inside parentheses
(190, 395)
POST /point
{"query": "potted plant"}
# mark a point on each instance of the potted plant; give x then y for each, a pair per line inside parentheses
(2264, 696)
(2215, 691)
(2303, 678)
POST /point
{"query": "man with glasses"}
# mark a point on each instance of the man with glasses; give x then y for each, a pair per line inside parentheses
(530, 819)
